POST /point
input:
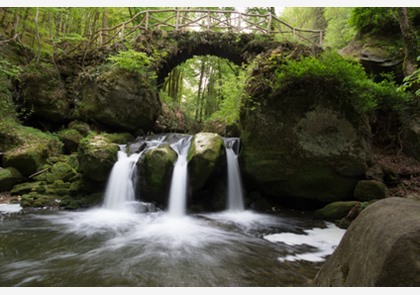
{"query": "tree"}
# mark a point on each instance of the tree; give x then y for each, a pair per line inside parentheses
(410, 41)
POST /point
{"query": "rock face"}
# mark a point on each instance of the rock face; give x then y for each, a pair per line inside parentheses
(127, 101)
(205, 157)
(297, 146)
(154, 170)
(380, 248)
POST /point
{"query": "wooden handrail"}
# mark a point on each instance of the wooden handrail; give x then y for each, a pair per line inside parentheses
(222, 20)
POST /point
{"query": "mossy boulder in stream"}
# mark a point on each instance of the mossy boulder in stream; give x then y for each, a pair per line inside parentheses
(304, 136)
(126, 101)
(205, 157)
(96, 156)
(155, 171)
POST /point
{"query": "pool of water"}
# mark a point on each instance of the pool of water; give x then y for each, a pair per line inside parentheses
(101, 247)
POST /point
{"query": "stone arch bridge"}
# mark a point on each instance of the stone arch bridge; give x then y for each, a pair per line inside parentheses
(182, 34)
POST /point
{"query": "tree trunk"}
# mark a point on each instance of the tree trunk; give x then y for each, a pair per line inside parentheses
(199, 105)
(410, 41)
(38, 38)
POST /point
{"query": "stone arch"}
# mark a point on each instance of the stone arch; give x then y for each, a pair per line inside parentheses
(180, 46)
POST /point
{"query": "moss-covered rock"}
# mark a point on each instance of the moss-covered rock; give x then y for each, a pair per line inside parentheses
(70, 139)
(43, 93)
(82, 127)
(39, 200)
(126, 100)
(303, 139)
(336, 210)
(155, 171)
(61, 171)
(27, 187)
(367, 190)
(26, 148)
(205, 157)
(96, 156)
(8, 178)
(119, 138)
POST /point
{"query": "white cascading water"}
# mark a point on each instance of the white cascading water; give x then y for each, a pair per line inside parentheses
(178, 191)
(120, 189)
(235, 192)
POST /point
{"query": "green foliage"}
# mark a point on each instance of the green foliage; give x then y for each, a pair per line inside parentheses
(8, 70)
(338, 32)
(134, 61)
(305, 17)
(348, 79)
(373, 19)
(232, 91)
(412, 82)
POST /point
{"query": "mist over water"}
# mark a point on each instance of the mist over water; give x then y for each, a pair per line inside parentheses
(123, 243)
(102, 247)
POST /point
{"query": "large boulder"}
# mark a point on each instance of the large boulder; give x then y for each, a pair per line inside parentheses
(154, 170)
(43, 94)
(303, 139)
(96, 155)
(127, 101)
(205, 158)
(380, 248)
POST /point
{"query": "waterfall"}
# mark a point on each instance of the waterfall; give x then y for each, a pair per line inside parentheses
(120, 190)
(235, 192)
(178, 191)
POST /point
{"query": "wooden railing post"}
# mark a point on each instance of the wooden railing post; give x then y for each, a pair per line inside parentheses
(177, 20)
(270, 19)
(208, 20)
(147, 20)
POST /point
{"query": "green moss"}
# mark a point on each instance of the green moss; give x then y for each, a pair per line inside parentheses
(82, 127)
(60, 171)
(27, 148)
(158, 164)
(119, 138)
(27, 187)
(36, 200)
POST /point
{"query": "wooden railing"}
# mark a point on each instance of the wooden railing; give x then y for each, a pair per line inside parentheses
(201, 20)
